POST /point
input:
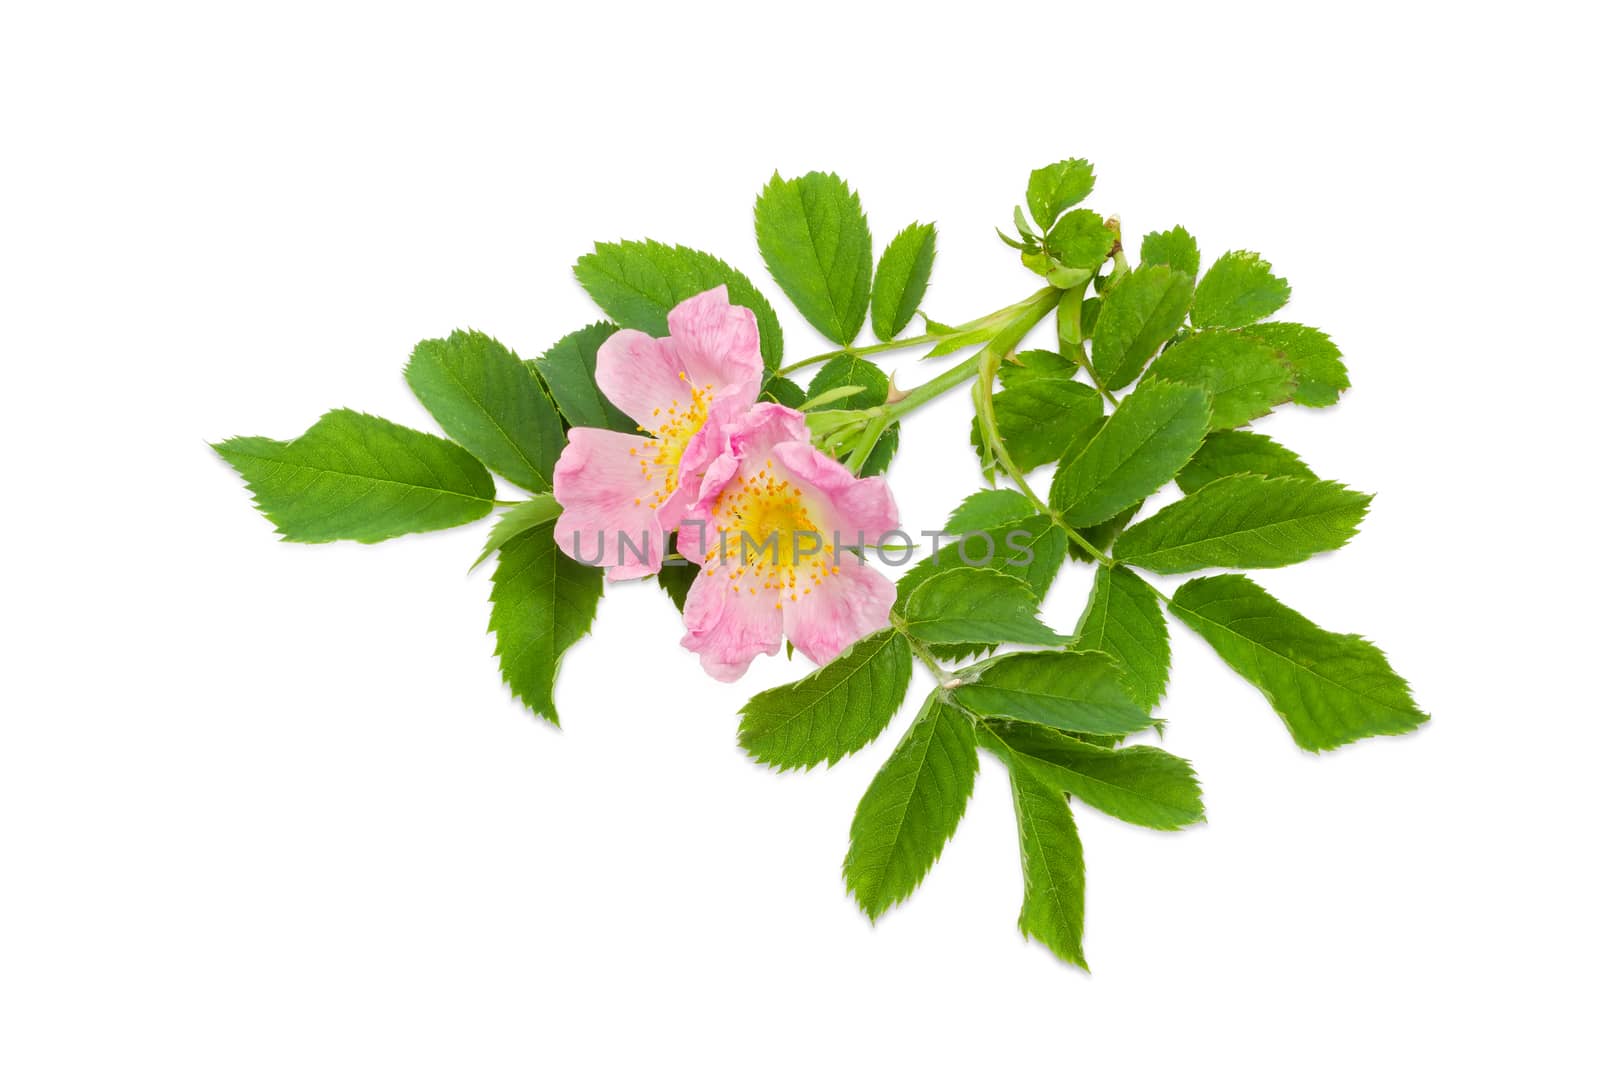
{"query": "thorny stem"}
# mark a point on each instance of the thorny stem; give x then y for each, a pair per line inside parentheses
(1023, 316)
(983, 396)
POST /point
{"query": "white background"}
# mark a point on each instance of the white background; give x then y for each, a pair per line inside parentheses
(267, 814)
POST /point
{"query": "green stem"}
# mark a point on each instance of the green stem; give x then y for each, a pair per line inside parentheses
(1099, 388)
(869, 349)
(998, 317)
(920, 650)
(1023, 317)
(935, 387)
(988, 361)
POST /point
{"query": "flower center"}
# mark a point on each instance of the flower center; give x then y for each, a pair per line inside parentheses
(672, 428)
(766, 539)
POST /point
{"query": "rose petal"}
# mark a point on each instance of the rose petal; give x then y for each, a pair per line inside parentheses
(640, 375)
(730, 625)
(717, 344)
(841, 503)
(852, 602)
(605, 495)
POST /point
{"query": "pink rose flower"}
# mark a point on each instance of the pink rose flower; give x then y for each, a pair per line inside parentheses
(623, 494)
(773, 513)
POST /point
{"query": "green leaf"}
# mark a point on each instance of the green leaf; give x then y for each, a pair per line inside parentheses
(882, 454)
(1330, 689)
(1245, 522)
(358, 477)
(1176, 248)
(912, 808)
(1240, 452)
(1041, 419)
(1140, 313)
(976, 604)
(780, 390)
(1055, 188)
(541, 604)
(1035, 365)
(1142, 785)
(637, 283)
(1081, 239)
(844, 371)
(677, 578)
(1031, 548)
(486, 398)
(1101, 536)
(1238, 289)
(1245, 377)
(568, 370)
(1089, 316)
(1311, 356)
(836, 710)
(1152, 433)
(1123, 620)
(517, 519)
(986, 509)
(1070, 690)
(902, 279)
(813, 235)
(1052, 867)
